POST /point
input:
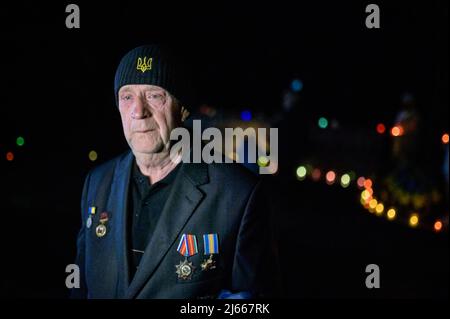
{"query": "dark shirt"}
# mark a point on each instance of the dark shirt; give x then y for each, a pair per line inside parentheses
(146, 204)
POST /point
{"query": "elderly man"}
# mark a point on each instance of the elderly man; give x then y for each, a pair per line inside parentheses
(155, 227)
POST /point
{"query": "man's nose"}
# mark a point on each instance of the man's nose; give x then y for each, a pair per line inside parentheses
(140, 109)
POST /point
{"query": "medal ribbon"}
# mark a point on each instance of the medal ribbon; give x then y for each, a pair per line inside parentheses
(188, 245)
(211, 244)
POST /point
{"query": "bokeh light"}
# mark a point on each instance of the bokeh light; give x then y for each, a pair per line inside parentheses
(365, 195)
(323, 123)
(263, 161)
(315, 175)
(368, 183)
(445, 138)
(391, 213)
(20, 141)
(381, 128)
(345, 180)
(296, 85)
(360, 182)
(379, 208)
(437, 226)
(93, 156)
(373, 203)
(246, 115)
(414, 220)
(10, 156)
(330, 177)
(397, 131)
(301, 172)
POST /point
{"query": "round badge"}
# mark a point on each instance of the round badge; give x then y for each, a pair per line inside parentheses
(100, 231)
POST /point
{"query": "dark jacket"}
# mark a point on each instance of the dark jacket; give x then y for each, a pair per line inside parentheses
(224, 199)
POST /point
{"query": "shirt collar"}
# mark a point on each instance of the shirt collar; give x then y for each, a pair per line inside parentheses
(141, 179)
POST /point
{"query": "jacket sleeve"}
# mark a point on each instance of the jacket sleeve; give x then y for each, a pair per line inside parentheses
(255, 270)
(81, 293)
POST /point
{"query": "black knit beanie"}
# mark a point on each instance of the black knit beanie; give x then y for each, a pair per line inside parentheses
(154, 65)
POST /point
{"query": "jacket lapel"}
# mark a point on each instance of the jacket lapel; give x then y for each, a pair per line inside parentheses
(118, 203)
(181, 203)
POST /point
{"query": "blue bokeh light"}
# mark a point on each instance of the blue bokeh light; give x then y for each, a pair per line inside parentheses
(246, 115)
(296, 85)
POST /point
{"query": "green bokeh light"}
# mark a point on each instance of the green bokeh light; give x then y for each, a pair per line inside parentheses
(323, 122)
(301, 172)
(20, 141)
(345, 180)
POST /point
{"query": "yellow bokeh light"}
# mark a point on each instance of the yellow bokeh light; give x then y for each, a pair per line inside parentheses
(373, 203)
(345, 180)
(379, 208)
(414, 220)
(365, 195)
(93, 155)
(391, 213)
(263, 161)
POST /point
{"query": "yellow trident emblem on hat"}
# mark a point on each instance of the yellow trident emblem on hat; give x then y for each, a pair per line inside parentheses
(144, 65)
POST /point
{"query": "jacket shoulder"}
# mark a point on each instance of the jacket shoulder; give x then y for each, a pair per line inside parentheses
(232, 175)
(106, 169)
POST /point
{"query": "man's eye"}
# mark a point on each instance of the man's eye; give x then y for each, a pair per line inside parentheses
(126, 97)
(155, 96)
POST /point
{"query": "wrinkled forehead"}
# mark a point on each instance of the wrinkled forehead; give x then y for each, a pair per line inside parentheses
(136, 88)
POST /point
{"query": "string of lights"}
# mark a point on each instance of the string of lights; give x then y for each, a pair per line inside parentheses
(372, 203)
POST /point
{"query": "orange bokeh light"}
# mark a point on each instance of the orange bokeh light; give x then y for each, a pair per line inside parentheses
(9, 156)
(438, 226)
(397, 131)
(381, 128)
(445, 138)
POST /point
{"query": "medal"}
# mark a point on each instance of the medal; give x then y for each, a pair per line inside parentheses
(187, 247)
(184, 269)
(101, 229)
(89, 222)
(92, 211)
(211, 246)
(208, 263)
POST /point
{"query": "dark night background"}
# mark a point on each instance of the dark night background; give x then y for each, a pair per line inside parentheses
(57, 93)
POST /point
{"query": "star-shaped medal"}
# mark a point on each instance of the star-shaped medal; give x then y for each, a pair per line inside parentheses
(185, 269)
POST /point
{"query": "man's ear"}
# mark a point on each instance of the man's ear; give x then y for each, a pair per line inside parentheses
(184, 114)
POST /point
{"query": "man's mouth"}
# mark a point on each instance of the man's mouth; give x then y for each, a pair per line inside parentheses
(145, 131)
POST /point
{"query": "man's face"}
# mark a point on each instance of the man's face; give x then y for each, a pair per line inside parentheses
(149, 113)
